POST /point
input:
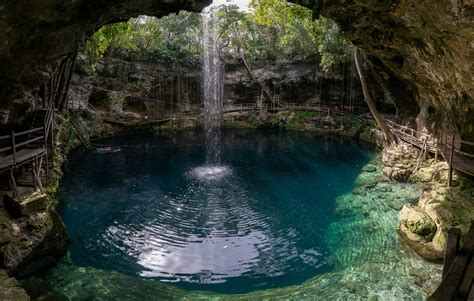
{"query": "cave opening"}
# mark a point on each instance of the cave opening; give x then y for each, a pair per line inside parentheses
(286, 206)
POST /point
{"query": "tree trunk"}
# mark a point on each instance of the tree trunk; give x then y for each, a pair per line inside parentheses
(389, 138)
(266, 92)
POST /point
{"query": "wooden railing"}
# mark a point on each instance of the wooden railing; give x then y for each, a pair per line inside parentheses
(448, 145)
(48, 121)
(297, 107)
(448, 141)
(14, 145)
(416, 138)
(443, 144)
(458, 276)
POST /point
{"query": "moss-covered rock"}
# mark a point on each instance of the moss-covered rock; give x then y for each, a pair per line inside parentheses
(416, 221)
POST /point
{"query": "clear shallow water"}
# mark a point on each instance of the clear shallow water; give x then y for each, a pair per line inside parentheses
(258, 220)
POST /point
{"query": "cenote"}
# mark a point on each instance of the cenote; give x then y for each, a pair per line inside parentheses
(282, 150)
(257, 220)
(285, 215)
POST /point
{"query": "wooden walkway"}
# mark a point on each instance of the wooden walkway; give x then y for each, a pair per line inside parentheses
(448, 147)
(28, 147)
(458, 269)
(253, 107)
(23, 147)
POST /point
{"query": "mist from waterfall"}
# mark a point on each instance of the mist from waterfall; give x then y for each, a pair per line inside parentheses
(212, 85)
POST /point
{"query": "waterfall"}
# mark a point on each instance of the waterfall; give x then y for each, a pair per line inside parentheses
(212, 85)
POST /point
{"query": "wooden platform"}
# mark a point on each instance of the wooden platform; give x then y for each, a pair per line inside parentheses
(460, 160)
(22, 156)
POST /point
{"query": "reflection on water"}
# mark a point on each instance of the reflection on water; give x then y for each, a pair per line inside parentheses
(255, 221)
(210, 172)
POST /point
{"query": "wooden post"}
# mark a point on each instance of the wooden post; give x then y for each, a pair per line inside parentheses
(52, 140)
(13, 186)
(36, 178)
(450, 172)
(65, 89)
(452, 247)
(33, 173)
(446, 142)
(13, 147)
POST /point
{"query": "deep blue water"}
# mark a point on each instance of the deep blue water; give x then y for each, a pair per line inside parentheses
(257, 220)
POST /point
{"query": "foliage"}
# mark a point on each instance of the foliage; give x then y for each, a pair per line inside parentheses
(305, 114)
(465, 188)
(173, 38)
(300, 34)
(272, 30)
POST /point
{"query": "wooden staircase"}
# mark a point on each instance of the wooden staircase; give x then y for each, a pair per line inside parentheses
(39, 117)
(81, 133)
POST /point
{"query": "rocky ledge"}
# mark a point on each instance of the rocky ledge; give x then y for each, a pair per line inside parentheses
(425, 223)
(10, 289)
(32, 243)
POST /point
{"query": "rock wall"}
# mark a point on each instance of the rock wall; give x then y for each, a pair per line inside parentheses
(152, 88)
(36, 35)
(294, 82)
(424, 224)
(148, 88)
(422, 49)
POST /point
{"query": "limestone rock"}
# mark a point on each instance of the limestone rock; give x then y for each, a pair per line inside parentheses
(369, 168)
(446, 208)
(399, 161)
(35, 242)
(10, 289)
(411, 54)
(415, 221)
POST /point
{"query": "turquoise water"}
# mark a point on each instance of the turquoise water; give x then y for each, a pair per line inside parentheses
(360, 256)
(262, 218)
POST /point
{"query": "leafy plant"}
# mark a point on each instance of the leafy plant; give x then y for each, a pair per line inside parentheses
(272, 30)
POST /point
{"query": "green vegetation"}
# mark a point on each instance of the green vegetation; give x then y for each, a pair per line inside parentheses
(273, 30)
(465, 187)
(173, 39)
(305, 114)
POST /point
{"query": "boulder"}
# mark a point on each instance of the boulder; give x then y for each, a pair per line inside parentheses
(10, 289)
(414, 220)
(399, 162)
(35, 242)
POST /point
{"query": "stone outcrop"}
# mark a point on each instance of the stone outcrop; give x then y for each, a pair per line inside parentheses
(151, 87)
(10, 289)
(425, 225)
(399, 162)
(37, 35)
(32, 243)
(422, 49)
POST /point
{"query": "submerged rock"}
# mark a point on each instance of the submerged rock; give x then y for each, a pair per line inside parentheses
(369, 168)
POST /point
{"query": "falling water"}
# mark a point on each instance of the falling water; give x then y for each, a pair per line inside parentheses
(212, 83)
